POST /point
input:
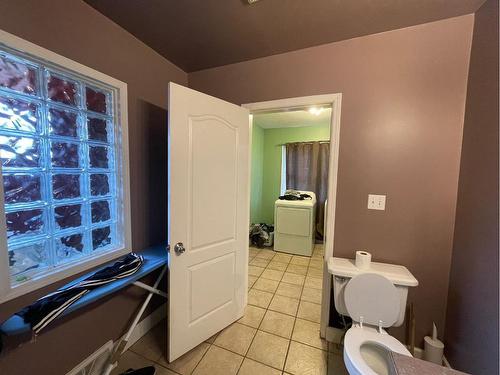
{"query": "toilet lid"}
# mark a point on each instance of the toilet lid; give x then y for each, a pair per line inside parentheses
(373, 298)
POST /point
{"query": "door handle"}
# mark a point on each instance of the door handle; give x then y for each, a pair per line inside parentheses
(179, 248)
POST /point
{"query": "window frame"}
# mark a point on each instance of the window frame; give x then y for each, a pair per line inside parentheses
(120, 125)
(283, 170)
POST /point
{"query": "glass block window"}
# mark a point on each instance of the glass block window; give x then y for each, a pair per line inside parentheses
(58, 158)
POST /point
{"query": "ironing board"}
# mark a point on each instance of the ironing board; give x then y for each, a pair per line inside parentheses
(154, 258)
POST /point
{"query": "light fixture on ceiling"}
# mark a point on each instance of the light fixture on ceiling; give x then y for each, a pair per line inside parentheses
(252, 1)
(316, 110)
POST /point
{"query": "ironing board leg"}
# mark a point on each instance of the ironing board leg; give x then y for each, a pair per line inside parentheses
(149, 288)
(123, 343)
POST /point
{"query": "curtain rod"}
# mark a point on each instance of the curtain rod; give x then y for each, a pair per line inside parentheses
(306, 142)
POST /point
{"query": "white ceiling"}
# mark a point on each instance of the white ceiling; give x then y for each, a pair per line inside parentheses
(292, 119)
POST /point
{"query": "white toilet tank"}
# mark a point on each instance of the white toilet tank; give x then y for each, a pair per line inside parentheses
(343, 270)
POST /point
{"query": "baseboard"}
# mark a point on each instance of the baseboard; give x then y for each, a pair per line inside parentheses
(417, 353)
(94, 363)
(99, 356)
(146, 324)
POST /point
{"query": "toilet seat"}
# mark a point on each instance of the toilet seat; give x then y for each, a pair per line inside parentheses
(356, 337)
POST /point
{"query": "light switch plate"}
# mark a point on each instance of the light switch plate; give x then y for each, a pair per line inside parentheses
(376, 202)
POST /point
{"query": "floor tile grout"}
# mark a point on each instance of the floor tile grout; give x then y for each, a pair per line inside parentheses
(251, 342)
(201, 359)
(294, 322)
(279, 281)
(295, 317)
(260, 324)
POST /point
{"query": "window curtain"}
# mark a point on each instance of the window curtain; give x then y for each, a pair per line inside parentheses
(307, 169)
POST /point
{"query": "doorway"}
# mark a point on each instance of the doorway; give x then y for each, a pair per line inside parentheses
(289, 179)
(277, 320)
(318, 105)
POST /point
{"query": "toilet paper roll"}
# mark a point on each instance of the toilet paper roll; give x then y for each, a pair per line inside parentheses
(363, 260)
(433, 351)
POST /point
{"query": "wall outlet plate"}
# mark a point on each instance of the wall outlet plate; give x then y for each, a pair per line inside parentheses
(376, 202)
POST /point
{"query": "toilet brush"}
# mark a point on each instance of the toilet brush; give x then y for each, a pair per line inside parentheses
(434, 347)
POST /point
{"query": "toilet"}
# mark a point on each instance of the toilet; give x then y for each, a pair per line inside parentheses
(375, 299)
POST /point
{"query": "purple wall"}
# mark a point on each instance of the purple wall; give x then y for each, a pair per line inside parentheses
(472, 314)
(403, 103)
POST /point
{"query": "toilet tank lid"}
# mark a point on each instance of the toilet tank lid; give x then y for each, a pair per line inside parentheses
(398, 275)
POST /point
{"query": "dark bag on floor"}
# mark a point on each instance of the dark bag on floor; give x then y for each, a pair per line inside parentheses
(150, 370)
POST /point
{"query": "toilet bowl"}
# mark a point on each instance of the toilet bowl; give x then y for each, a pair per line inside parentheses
(374, 299)
(373, 303)
(367, 351)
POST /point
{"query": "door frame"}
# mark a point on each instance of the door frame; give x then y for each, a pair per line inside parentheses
(335, 101)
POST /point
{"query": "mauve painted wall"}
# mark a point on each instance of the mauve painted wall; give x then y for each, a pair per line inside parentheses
(401, 133)
(471, 334)
(75, 30)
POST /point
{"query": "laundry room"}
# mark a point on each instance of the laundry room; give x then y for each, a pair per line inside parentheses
(289, 178)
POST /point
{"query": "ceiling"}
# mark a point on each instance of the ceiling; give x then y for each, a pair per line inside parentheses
(293, 118)
(200, 34)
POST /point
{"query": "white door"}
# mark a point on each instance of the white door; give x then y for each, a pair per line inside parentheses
(208, 214)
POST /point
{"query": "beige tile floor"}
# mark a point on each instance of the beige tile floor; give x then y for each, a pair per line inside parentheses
(279, 333)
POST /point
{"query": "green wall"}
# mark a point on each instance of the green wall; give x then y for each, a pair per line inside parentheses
(266, 182)
(256, 174)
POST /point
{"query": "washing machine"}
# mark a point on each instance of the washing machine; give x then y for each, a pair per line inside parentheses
(294, 225)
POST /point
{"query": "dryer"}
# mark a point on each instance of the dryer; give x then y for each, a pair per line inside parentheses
(294, 225)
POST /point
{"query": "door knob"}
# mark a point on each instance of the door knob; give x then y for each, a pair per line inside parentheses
(179, 248)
